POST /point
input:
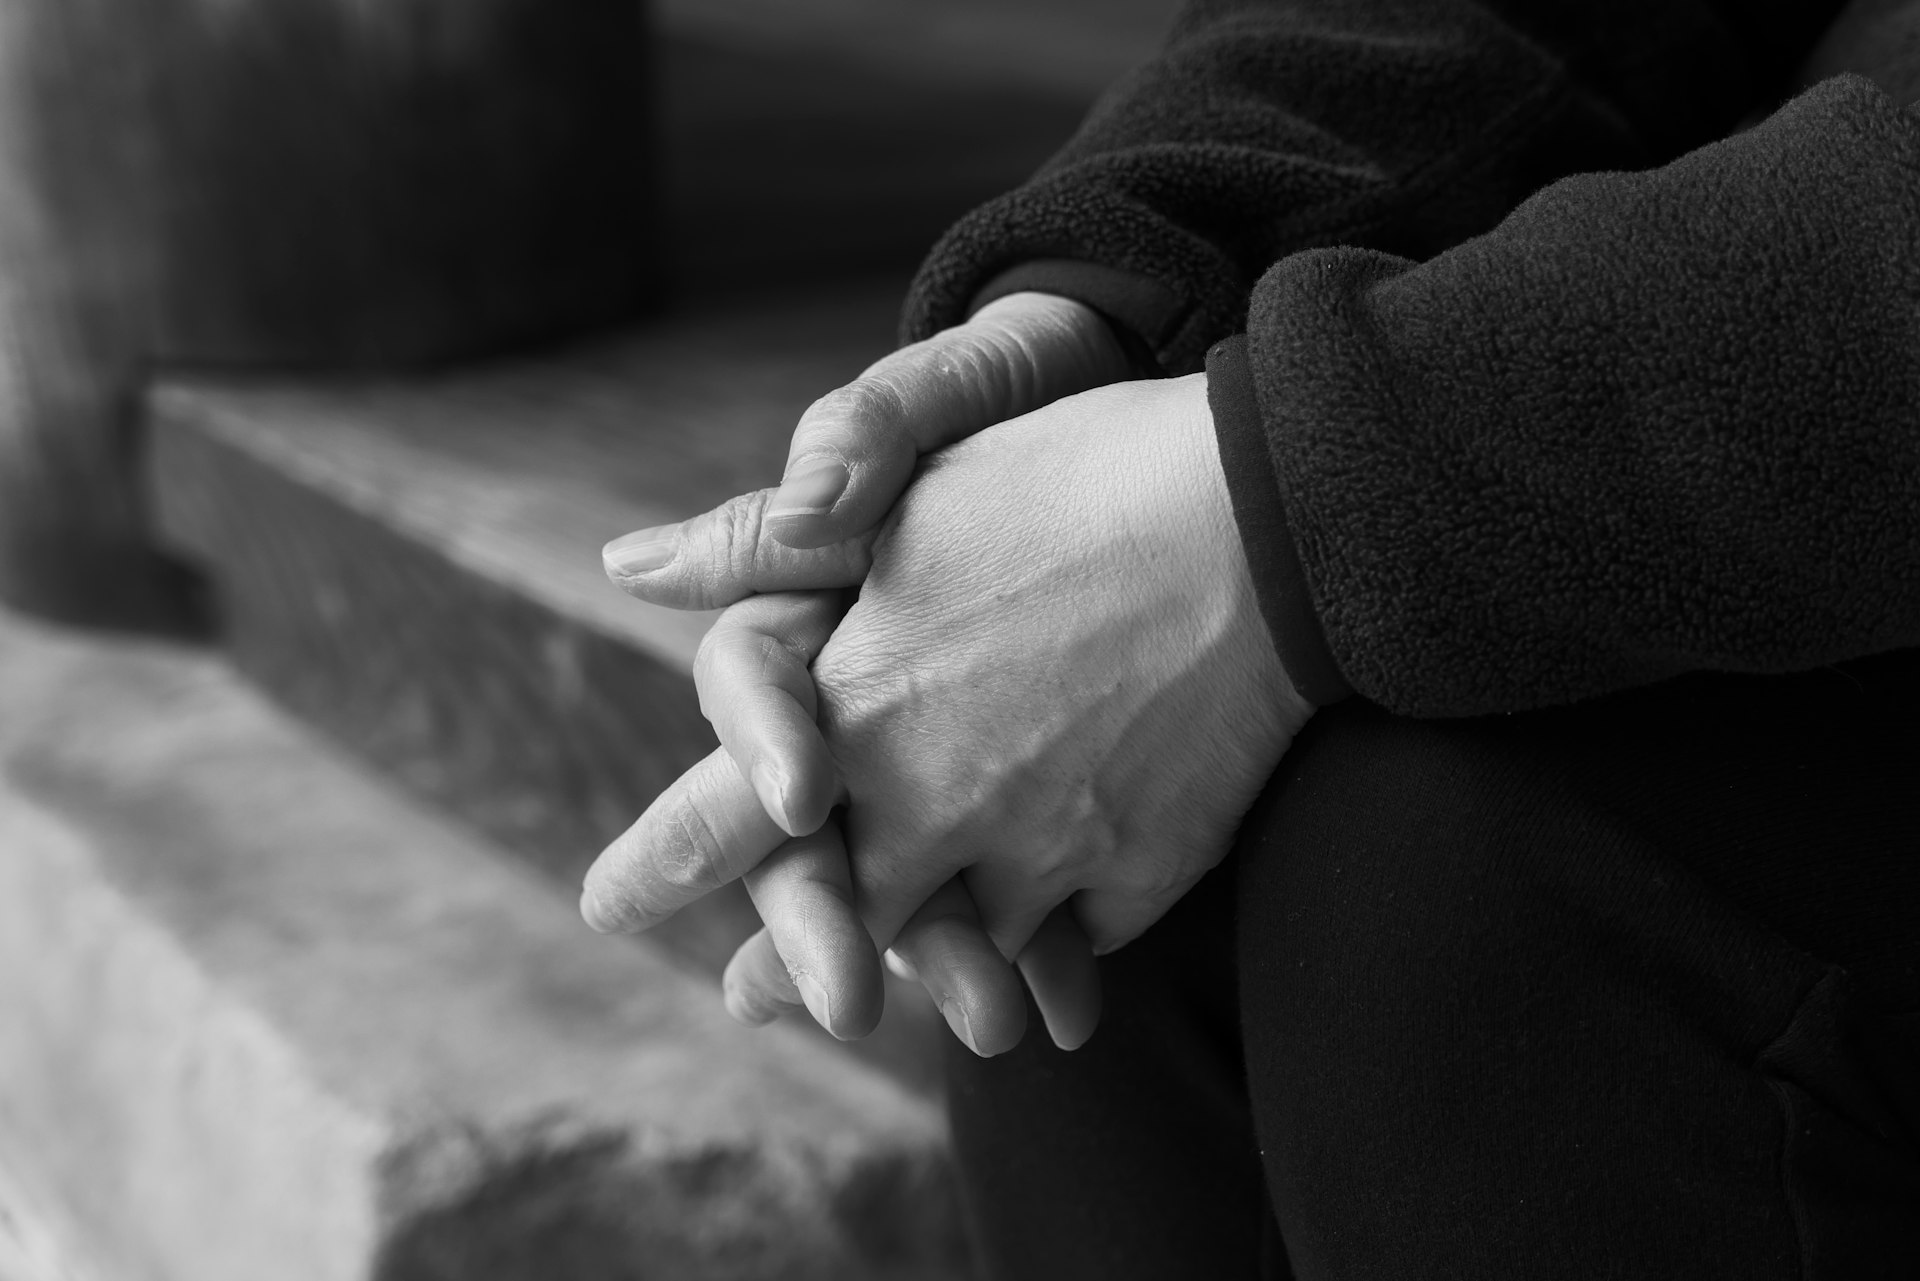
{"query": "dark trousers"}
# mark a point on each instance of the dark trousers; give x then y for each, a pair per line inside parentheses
(1626, 990)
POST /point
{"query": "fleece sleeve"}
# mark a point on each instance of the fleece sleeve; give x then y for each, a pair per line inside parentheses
(1653, 422)
(1270, 126)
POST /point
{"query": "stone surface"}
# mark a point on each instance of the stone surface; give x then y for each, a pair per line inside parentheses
(263, 1017)
(414, 565)
(36, 1242)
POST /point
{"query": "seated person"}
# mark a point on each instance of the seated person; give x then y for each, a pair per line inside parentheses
(1460, 358)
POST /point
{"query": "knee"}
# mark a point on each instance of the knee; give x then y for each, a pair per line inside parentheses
(1402, 871)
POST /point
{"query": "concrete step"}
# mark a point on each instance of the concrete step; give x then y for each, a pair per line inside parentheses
(264, 1017)
(414, 566)
(37, 1242)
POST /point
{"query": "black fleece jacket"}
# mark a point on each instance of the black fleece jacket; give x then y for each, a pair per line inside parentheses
(1663, 416)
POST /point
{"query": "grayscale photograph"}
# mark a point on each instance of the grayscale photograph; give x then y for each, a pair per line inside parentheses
(959, 640)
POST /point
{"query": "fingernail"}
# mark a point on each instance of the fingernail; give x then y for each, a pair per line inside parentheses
(957, 1020)
(816, 998)
(642, 551)
(810, 492)
(770, 787)
(598, 915)
(1070, 1043)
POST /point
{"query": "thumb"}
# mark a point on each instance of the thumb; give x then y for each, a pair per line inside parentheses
(855, 449)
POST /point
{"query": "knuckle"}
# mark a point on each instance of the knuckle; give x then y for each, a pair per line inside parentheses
(773, 657)
(715, 671)
(737, 540)
(709, 662)
(717, 660)
(691, 854)
(969, 353)
(873, 397)
(710, 570)
(1150, 878)
(732, 656)
(857, 696)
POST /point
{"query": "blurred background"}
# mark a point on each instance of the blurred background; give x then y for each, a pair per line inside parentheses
(335, 338)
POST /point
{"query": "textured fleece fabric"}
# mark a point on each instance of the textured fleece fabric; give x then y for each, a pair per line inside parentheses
(1270, 126)
(1663, 416)
(1653, 423)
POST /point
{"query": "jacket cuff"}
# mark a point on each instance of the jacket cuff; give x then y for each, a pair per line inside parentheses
(1278, 579)
(1143, 313)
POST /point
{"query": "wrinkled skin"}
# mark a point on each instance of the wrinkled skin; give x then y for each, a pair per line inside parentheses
(1056, 678)
(1015, 355)
(1055, 687)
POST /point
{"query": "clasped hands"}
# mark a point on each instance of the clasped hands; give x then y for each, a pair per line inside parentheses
(992, 687)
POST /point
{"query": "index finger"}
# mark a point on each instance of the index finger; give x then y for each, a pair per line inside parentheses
(706, 829)
(756, 688)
